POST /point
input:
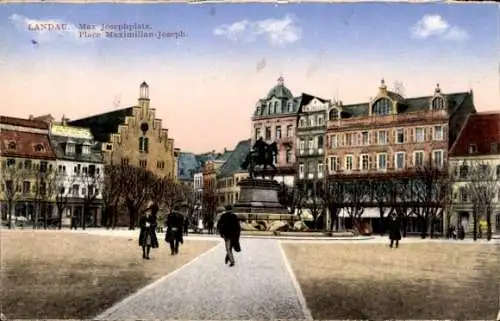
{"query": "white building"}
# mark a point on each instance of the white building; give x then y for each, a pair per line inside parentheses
(80, 171)
(475, 165)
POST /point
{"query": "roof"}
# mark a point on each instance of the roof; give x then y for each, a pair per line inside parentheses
(280, 91)
(233, 163)
(188, 165)
(305, 99)
(224, 156)
(59, 146)
(25, 144)
(408, 105)
(482, 130)
(71, 131)
(22, 122)
(103, 125)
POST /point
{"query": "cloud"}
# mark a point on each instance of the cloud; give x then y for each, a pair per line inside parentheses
(435, 26)
(71, 33)
(278, 32)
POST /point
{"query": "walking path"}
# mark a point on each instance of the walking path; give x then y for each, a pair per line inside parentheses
(261, 286)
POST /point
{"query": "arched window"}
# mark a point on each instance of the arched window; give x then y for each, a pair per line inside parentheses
(258, 110)
(382, 107)
(437, 103)
(12, 145)
(333, 114)
(290, 107)
(39, 148)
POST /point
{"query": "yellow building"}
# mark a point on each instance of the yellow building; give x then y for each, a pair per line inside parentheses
(28, 182)
(134, 136)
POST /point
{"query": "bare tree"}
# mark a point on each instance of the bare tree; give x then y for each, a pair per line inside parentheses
(92, 182)
(44, 178)
(382, 190)
(112, 191)
(482, 186)
(13, 186)
(333, 199)
(431, 188)
(137, 188)
(62, 195)
(356, 195)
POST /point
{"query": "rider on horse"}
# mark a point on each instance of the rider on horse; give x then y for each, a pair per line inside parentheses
(259, 148)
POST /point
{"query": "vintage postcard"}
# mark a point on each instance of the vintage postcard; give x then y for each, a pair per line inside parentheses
(250, 161)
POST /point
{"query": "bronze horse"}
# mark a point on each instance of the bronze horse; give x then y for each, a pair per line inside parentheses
(266, 158)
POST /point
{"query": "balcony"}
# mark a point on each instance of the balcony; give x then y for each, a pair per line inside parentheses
(304, 152)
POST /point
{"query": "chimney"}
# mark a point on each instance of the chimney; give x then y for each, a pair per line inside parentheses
(225, 150)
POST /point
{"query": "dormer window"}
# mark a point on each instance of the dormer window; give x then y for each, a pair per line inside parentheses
(382, 107)
(437, 103)
(85, 149)
(334, 114)
(278, 108)
(258, 110)
(302, 123)
(472, 148)
(290, 107)
(70, 148)
(39, 148)
(12, 145)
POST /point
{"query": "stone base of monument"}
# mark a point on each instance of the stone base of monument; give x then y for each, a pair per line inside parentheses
(258, 206)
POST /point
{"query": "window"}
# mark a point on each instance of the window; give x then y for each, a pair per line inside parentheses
(437, 158)
(39, 148)
(419, 134)
(84, 170)
(463, 194)
(77, 168)
(290, 107)
(70, 148)
(472, 148)
(84, 191)
(464, 171)
(109, 147)
(289, 131)
(160, 164)
(310, 167)
(301, 169)
(320, 120)
(43, 167)
(258, 134)
(125, 161)
(302, 122)
(312, 121)
(288, 155)
(278, 132)
(75, 189)
(400, 136)
(498, 173)
(321, 167)
(92, 170)
(143, 163)
(143, 144)
(333, 163)
(320, 142)
(268, 133)
(333, 141)
(348, 163)
(382, 161)
(364, 162)
(12, 145)
(310, 143)
(350, 139)
(437, 103)
(333, 114)
(27, 164)
(26, 187)
(302, 144)
(418, 158)
(399, 160)
(365, 138)
(85, 150)
(438, 133)
(382, 107)
(10, 162)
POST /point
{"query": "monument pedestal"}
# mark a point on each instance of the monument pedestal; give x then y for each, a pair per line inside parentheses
(259, 204)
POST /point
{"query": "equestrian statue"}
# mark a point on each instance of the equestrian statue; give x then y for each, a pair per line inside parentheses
(261, 154)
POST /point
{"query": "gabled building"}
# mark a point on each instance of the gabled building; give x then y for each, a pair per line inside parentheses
(230, 174)
(475, 167)
(390, 135)
(310, 148)
(134, 136)
(27, 159)
(210, 201)
(80, 168)
(275, 120)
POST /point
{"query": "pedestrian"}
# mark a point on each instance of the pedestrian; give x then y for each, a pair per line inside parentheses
(147, 235)
(394, 230)
(200, 226)
(175, 223)
(210, 225)
(229, 229)
(186, 225)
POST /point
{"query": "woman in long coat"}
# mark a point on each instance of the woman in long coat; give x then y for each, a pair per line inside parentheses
(394, 230)
(147, 235)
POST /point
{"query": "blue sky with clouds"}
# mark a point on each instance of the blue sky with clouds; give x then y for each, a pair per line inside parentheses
(349, 31)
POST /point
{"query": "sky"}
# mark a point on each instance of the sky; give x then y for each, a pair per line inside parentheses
(214, 61)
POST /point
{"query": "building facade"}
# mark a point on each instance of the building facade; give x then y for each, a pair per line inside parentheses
(275, 120)
(80, 170)
(475, 167)
(134, 136)
(310, 148)
(210, 202)
(27, 182)
(391, 134)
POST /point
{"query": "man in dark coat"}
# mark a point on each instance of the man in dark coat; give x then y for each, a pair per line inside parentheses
(175, 224)
(147, 235)
(394, 229)
(229, 229)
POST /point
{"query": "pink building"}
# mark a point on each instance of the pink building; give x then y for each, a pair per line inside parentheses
(275, 119)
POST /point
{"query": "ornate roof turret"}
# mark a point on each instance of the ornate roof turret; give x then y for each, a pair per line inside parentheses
(280, 91)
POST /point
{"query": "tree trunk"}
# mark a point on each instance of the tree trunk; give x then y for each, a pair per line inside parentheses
(423, 225)
(488, 223)
(131, 214)
(474, 223)
(59, 217)
(45, 216)
(432, 222)
(9, 216)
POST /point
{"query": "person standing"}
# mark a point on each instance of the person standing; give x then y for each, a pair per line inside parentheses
(229, 229)
(186, 225)
(175, 223)
(147, 235)
(394, 230)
